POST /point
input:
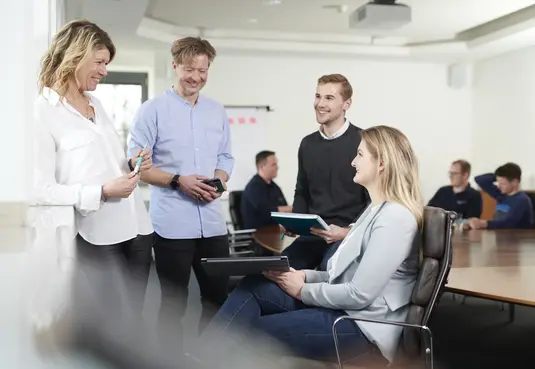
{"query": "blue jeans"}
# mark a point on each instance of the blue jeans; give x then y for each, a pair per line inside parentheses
(260, 306)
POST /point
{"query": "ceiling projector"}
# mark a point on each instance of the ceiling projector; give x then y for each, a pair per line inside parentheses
(380, 14)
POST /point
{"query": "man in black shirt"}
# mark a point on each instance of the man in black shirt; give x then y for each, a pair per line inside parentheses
(459, 196)
(325, 177)
(261, 196)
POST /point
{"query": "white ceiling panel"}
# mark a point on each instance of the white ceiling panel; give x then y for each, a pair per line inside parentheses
(431, 18)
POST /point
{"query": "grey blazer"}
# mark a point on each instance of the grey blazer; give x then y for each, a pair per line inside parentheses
(374, 274)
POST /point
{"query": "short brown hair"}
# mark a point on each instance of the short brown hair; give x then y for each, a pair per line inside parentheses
(185, 49)
(262, 156)
(74, 42)
(465, 166)
(346, 91)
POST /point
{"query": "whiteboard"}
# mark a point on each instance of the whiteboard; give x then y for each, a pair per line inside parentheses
(248, 136)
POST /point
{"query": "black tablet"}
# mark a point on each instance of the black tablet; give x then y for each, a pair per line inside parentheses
(245, 265)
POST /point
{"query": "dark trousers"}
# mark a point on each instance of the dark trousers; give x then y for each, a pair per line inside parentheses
(331, 249)
(174, 260)
(108, 296)
(306, 252)
(117, 274)
(258, 309)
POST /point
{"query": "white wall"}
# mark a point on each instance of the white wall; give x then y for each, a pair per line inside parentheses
(504, 113)
(414, 97)
(128, 60)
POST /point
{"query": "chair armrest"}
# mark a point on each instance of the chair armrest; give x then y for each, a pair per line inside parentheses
(243, 231)
(241, 242)
(380, 321)
(241, 235)
(422, 328)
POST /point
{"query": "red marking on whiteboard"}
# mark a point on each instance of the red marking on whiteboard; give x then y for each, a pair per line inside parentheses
(231, 120)
(252, 120)
(241, 120)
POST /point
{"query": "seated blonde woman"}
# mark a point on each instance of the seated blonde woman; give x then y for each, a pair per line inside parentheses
(371, 275)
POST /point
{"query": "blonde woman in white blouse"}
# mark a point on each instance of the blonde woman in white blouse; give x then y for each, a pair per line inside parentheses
(80, 162)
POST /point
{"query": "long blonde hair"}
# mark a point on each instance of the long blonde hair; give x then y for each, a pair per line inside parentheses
(75, 42)
(400, 181)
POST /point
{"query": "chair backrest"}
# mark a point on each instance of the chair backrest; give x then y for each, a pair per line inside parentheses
(432, 278)
(234, 201)
(531, 195)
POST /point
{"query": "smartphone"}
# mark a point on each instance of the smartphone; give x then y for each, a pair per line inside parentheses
(215, 183)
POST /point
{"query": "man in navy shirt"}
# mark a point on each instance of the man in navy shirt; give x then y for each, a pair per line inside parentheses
(459, 196)
(513, 207)
(261, 196)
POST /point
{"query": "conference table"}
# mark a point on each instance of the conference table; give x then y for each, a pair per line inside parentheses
(491, 264)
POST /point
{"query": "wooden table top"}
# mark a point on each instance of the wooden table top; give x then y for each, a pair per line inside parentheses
(489, 264)
(271, 239)
(496, 264)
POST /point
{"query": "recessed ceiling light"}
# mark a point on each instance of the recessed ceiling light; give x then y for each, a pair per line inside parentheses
(252, 20)
(271, 2)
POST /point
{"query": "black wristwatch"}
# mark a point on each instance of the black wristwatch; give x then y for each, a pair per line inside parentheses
(174, 182)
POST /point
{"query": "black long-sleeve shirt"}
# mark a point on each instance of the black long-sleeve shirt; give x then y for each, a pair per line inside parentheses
(258, 200)
(325, 178)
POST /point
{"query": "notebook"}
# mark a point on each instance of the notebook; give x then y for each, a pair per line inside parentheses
(299, 224)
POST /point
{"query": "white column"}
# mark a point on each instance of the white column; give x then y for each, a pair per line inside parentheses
(57, 14)
(25, 28)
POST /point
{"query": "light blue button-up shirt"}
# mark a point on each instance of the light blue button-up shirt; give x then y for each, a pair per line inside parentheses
(184, 140)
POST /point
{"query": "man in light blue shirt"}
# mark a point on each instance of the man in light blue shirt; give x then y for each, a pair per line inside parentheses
(190, 141)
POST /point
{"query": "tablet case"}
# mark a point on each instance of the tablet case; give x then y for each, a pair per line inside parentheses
(234, 266)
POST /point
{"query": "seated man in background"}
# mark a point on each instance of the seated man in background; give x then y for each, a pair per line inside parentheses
(513, 207)
(261, 196)
(325, 183)
(459, 196)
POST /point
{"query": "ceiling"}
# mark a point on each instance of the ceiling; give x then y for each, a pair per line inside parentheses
(449, 30)
(431, 19)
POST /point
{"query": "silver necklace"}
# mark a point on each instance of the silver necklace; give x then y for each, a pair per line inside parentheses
(87, 114)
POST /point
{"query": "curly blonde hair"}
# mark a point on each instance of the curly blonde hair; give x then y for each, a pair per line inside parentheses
(74, 43)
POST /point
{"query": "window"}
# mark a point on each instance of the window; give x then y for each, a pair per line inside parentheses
(121, 94)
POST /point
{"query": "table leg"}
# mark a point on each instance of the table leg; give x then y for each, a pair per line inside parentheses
(511, 312)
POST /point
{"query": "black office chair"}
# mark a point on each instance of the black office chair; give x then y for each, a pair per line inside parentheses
(430, 283)
(240, 239)
(531, 195)
(241, 243)
(234, 202)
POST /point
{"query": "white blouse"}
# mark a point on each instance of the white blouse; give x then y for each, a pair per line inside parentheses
(354, 230)
(73, 158)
